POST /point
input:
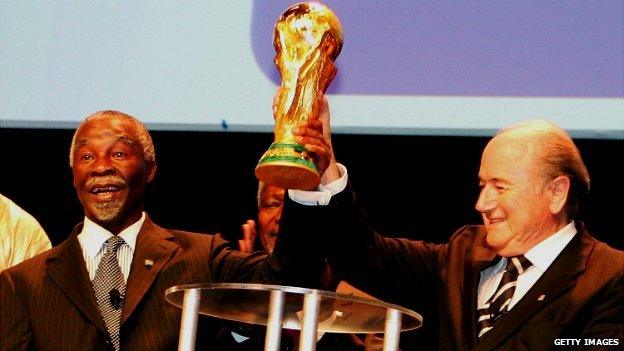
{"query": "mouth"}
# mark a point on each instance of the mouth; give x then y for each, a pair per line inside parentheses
(493, 221)
(105, 192)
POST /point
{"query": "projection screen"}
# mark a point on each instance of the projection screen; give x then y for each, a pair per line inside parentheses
(407, 67)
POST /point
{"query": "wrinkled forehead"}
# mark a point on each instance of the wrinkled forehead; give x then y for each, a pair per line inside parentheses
(111, 128)
(272, 191)
(509, 152)
(509, 145)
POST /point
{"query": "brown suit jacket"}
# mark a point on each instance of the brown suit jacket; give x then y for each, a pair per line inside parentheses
(48, 303)
(579, 296)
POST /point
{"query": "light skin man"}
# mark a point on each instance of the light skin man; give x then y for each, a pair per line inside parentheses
(566, 284)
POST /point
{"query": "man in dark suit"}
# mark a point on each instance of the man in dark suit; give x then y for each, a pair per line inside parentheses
(60, 300)
(529, 277)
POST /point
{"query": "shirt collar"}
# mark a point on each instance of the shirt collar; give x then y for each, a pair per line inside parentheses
(93, 235)
(545, 252)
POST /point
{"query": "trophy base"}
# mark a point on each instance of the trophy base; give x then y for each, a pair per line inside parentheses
(287, 175)
(288, 166)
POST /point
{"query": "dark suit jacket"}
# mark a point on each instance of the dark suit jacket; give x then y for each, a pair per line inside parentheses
(48, 303)
(579, 296)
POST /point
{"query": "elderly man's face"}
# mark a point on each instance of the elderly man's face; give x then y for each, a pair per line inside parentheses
(269, 215)
(513, 202)
(110, 172)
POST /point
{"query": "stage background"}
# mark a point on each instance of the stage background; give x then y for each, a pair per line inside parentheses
(464, 68)
(421, 87)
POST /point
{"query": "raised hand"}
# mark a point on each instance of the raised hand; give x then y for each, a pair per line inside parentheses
(246, 244)
(315, 136)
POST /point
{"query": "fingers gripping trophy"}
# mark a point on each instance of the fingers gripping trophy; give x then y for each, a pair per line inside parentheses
(307, 39)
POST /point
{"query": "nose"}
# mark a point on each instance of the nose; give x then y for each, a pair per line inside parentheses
(486, 200)
(102, 166)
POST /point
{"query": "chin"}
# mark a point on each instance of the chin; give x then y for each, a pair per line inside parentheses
(495, 240)
(106, 212)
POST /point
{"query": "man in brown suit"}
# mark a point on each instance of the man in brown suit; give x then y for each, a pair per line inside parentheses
(50, 301)
(530, 278)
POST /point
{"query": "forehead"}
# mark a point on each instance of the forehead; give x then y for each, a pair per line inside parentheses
(108, 128)
(272, 191)
(508, 157)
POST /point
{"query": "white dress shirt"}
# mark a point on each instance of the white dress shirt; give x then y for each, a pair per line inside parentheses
(541, 256)
(93, 237)
(324, 193)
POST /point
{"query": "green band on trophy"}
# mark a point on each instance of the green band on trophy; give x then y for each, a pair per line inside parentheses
(289, 159)
(293, 146)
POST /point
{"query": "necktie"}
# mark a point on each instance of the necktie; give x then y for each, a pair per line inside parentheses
(110, 288)
(496, 305)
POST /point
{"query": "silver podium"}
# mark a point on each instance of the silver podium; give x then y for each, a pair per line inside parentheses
(277, 307)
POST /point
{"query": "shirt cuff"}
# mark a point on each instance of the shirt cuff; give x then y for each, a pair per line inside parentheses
(323, 195)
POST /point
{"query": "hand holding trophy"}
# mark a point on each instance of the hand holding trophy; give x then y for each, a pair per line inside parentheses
(307, 39)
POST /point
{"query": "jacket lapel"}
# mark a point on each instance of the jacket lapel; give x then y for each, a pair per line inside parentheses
(558, 278)
(154, 248)
(66, 267)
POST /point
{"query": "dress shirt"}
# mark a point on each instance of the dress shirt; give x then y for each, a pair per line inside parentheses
(93, 237)
(324, 193)
(540, 255)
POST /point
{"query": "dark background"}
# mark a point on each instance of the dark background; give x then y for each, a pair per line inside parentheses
(422, 187)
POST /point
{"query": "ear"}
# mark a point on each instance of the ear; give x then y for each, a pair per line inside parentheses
(559, 189)
(151, 171)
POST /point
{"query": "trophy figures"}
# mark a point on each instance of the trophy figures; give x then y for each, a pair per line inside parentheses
(307, 39)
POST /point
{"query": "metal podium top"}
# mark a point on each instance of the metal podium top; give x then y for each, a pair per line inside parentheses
(249, 303)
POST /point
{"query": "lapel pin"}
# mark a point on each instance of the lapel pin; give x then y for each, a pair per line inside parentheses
(149, 263)
(541, 298)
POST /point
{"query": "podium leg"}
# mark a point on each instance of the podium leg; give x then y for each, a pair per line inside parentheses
(274, 321)
(393, 330)
(188, 326)
(309, 326)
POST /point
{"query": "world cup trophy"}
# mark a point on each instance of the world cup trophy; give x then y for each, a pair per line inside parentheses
(307, 39)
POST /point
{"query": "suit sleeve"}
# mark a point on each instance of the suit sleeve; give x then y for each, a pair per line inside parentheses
(15, 330)
(290, 264)
(387, 268)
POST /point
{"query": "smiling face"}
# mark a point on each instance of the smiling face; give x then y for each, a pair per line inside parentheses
(110, 171)
(269, 214)
(515, 200)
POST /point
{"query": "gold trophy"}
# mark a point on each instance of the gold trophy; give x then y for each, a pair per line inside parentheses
(307, 39)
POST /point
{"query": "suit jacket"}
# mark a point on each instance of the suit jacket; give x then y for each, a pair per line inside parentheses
(48, 302)
(579, 296)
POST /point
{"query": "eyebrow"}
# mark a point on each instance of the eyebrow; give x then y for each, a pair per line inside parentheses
(495, 179)
(125, 139)
(121, 137)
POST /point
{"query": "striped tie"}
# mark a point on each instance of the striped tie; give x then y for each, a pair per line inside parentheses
(496, 305)
(110, 288)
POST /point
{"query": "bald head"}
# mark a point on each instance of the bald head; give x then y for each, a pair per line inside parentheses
(555, 155)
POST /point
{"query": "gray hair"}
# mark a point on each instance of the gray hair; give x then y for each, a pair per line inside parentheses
(557, 155)
(143, 135)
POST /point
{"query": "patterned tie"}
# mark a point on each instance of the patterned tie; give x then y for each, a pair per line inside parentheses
(496, 305)
(110, 288)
